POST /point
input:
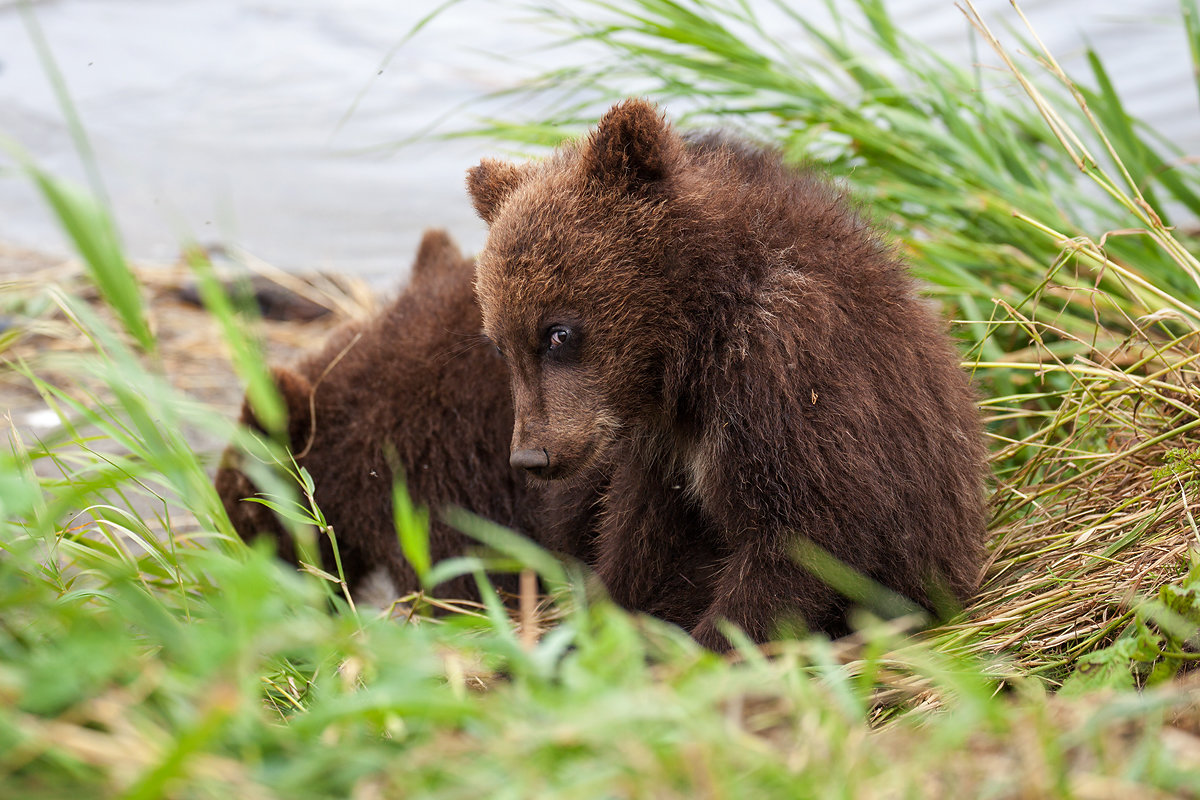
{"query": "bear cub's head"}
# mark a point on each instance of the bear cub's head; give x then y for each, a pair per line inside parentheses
(579, 288)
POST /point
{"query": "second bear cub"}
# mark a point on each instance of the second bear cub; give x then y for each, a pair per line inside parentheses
(415, 387)
(746, 361)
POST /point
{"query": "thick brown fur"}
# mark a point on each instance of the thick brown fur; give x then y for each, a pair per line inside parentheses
(749, 364)
(416, 386)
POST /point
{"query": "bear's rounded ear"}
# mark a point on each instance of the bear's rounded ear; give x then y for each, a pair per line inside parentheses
(436, 256)
(490, 183)
(631, 146)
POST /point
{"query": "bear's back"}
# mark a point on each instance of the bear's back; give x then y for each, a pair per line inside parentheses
(851, 378)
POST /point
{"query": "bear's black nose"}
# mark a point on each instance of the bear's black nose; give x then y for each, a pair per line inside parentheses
(530, 459)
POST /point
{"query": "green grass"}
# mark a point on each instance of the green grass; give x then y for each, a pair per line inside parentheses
(979, 189)
(146, 652)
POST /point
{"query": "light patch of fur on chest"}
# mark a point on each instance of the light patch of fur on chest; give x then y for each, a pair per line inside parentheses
(702, 464)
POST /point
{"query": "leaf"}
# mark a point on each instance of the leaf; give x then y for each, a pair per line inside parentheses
(412, 526)
(248, 360)
(95, 237)
(528, 553)
(1103, 669)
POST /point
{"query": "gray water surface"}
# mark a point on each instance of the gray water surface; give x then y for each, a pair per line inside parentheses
(253, 121)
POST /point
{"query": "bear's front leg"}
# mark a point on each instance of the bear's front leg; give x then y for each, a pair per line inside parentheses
(761, 587)
(654, 552)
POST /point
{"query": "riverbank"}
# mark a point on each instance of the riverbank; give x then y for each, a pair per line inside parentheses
(38, 332)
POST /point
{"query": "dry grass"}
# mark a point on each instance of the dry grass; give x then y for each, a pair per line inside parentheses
(1088, 524)
(1095, 520)
(193, 352)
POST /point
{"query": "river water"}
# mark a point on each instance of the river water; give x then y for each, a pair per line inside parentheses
(257, 122)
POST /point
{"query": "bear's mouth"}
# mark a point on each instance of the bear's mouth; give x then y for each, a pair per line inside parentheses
(555, 470)
(560, 467)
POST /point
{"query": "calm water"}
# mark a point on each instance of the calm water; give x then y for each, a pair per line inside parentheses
(253, 121)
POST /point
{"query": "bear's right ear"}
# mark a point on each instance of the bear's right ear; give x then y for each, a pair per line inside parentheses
(632, 146)
(436, 256)
(490, 183)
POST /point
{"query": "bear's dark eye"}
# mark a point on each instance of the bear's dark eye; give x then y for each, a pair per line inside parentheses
(561, 343)
(559, 336)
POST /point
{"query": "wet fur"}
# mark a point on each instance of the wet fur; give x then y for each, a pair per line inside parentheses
(756, 366)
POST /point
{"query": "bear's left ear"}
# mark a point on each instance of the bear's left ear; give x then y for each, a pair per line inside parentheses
(490, 183)
(631, 146)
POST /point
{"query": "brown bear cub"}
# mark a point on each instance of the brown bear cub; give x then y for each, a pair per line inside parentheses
(418, 387)
(747, 362)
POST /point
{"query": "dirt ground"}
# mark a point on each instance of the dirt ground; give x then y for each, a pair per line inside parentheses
(34, 329)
